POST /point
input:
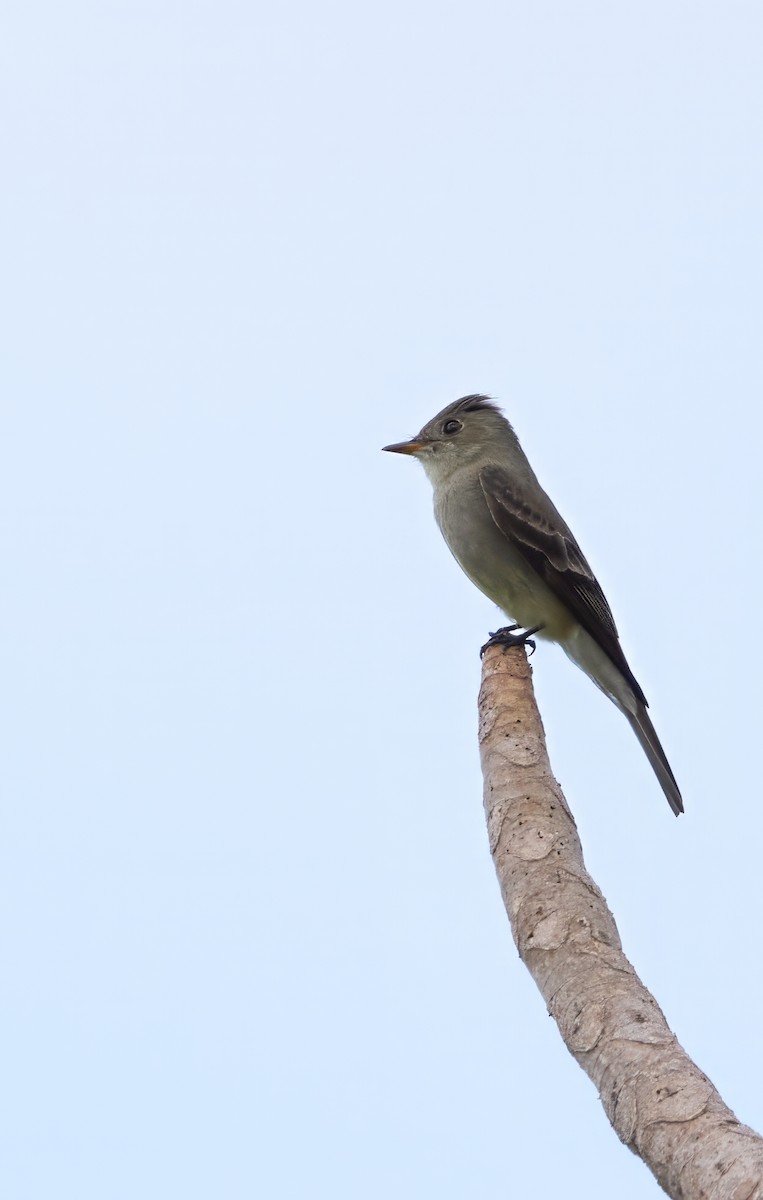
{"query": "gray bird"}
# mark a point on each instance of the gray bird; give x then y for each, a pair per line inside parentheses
(507, 536)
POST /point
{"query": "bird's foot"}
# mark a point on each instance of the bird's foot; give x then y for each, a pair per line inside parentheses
(507, 638)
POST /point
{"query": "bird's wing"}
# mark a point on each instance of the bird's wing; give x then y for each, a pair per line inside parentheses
(552, 552)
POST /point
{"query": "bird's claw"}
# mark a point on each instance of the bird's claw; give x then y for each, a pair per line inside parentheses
(507, 638)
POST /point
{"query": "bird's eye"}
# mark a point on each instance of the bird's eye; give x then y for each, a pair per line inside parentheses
(452, 427)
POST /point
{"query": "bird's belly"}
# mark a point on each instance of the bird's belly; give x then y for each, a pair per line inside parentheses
(499, 570)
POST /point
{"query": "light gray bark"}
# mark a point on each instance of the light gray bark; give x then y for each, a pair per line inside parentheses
(659, 1103)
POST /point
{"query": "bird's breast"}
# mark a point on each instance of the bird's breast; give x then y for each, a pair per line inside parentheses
(494, 563)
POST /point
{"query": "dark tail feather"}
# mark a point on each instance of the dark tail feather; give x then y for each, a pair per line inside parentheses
(644, 731)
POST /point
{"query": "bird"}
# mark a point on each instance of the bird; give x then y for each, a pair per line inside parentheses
(510, 540)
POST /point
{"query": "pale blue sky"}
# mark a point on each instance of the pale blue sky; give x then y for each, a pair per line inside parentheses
(252, 943)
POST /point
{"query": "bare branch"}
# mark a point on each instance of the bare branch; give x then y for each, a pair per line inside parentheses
(659, 1103)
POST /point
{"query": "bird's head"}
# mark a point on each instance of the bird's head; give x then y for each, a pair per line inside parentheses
(462, 433)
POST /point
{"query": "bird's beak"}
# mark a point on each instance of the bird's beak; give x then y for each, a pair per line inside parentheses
(411, 447)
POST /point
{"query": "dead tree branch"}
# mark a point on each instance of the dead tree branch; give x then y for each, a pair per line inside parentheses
(659, 1103)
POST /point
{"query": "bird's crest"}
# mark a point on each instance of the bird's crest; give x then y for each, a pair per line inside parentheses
(474, 404)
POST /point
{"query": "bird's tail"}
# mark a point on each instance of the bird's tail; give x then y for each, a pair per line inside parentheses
(617, 682)
(644, 730)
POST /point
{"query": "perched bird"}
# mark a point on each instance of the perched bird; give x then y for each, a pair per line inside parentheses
(505, 533)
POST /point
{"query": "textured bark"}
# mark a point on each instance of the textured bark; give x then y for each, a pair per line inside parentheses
(659, 1103)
